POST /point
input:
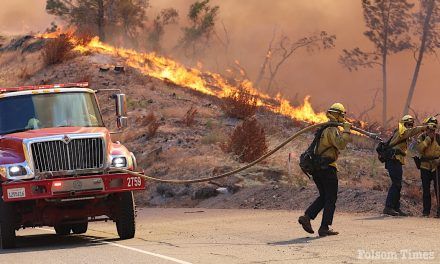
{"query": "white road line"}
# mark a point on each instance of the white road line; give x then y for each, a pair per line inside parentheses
(133, 249)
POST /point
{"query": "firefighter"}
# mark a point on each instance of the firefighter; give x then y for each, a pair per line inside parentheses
(331, 143)
(394, 165)
(428, 146)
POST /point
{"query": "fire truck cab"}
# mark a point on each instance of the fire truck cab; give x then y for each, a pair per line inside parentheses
(58, 164)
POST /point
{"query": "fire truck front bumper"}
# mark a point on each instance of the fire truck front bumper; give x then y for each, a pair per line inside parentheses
(71, 187)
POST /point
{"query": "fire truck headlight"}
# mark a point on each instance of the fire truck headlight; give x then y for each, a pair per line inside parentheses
(17, 170)
(119, 162)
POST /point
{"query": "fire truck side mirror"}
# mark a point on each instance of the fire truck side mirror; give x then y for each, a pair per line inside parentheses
(121, 110)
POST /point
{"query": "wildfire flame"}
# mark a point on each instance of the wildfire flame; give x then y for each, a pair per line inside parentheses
(205, 82)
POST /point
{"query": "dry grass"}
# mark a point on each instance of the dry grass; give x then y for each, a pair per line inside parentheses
(213, 137)
(240, 104)
(248, 141)
(413, 192)
(189, 117)
(57, 50)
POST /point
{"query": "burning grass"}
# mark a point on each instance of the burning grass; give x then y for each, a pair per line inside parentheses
(240, 103)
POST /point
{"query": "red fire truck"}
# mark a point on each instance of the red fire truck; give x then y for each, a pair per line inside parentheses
(58, 164)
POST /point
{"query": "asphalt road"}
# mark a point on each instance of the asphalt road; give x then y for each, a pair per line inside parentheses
(235, 236)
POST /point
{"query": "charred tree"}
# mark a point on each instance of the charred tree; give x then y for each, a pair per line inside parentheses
(427, 21)
(388, 23)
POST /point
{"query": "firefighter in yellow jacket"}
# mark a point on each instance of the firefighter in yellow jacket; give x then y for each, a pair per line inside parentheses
(428, 146)
(394, 165)
(331, 143)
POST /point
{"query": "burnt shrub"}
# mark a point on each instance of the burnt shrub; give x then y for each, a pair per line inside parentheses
(189, 117)
(239, 103)
(152, 124)
(58, 50)
(247, 141)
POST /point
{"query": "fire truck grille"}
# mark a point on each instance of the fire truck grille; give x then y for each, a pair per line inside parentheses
(76, 154)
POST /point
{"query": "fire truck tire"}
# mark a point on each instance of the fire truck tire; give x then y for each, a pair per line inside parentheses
(62, 230)
(125, 220)
(7, 225)
(80, 228)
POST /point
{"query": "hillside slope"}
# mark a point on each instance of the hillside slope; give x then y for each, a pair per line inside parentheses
(178, 151)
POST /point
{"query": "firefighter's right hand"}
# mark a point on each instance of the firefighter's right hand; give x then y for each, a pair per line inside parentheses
(346, 126)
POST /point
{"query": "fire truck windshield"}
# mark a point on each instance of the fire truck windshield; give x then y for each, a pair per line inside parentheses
(47, 110)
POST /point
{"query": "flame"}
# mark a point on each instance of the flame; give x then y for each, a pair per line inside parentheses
(205, 82)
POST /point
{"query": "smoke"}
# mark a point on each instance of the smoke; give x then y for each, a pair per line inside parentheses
(250, 24)
(23, 16)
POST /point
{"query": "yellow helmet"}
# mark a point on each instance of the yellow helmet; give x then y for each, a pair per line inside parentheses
(337, 108)
(430, 121)
(408, 119)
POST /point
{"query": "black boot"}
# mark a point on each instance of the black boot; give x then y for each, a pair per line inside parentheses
(306, 225)
(401, 213)
(323, 232)
(390, 211)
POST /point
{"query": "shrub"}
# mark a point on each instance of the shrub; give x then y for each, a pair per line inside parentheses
(57, 50)
(152, 124)
(248, 141)
(189, 118)
(83, 36)
(240, 103)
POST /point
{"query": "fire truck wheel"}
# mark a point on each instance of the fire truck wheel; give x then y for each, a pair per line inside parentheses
(125, 220)
(80, 228)
(7, 225)
(62, 230)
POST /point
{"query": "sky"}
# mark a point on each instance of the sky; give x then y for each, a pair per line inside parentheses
(250, 24)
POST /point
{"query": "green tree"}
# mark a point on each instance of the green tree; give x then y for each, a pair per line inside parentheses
(88, 14)
(197, 36)
(388, 23)
(97, 15)
(165, 17)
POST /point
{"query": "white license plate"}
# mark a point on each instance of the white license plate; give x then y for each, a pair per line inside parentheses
(16, 193)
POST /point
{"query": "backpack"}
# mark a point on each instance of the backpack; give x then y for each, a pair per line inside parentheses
(310, 161)
(385, 150)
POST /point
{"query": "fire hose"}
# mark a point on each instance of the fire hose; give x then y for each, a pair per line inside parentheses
(253, 163)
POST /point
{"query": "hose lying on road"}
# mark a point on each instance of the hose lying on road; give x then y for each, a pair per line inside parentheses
(265, 156)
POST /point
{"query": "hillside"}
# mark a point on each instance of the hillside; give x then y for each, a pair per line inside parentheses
(179, 151)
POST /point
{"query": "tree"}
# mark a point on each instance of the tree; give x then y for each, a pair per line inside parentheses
(80, 13)
(427, 22)
(197, 36)
(96, 15)
(388, 24)
(286, 48)
(165, 17)
(130, 16)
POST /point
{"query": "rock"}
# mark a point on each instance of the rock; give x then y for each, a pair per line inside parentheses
(273, 174)
(205, 193)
